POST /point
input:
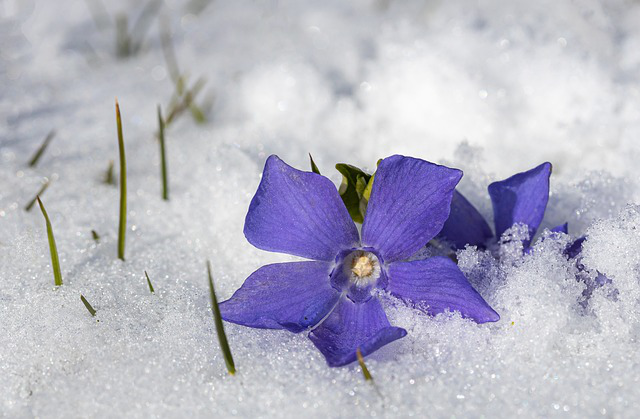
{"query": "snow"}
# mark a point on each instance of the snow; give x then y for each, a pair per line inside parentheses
(492, 88)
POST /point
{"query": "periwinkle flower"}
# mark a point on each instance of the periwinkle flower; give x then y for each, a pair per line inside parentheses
(520, 199)
(336, 295)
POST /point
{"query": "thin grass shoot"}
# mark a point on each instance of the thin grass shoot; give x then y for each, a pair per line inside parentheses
(122, 225)
(149, 283)
(163, 157)
(43, 188)
(109, 178)
(363, 366)
(222, 337)
(53, 249)
(88, 305)
(40, 151)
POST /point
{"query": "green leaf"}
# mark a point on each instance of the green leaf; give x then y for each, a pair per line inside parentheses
(353, 179)
(95, 235)
(87, 305)
(217, 318)
(314, 168)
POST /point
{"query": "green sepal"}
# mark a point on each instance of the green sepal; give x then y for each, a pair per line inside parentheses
(366, 193)
(314, 167)
(352, 189)
(361, 185)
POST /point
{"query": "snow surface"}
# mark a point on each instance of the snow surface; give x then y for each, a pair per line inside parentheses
(490, 87)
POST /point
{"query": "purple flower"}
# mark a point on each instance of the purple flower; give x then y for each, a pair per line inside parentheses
(335, 295)
(574, 251)
(520, 199)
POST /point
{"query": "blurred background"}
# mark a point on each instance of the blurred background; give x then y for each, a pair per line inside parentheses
(522, 81)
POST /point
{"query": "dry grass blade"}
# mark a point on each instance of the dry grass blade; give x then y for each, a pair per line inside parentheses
(363, 366)
(187, 102)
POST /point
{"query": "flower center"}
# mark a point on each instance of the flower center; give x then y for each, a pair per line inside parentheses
(362, 268)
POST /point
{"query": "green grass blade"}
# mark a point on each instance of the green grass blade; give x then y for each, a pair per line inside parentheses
(108, 175)
(314, 168)
(197, 113)
(53, 249)
(40, 192)
(87, 305)
(149, 283)
(222, 337)
(141, 26)
(99, 14)
(95, 235)
(363, 366)
(40, 151)
(169, 54)
(122, 227)
(163, 157)
(123, 41)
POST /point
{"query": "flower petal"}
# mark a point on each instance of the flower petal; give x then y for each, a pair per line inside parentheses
(292, 296)
(351, 326)
(299, 213)
(465, 224)
(562, 228)
(409, 204)
(575, 248)
(438, 283)
(522, 198)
